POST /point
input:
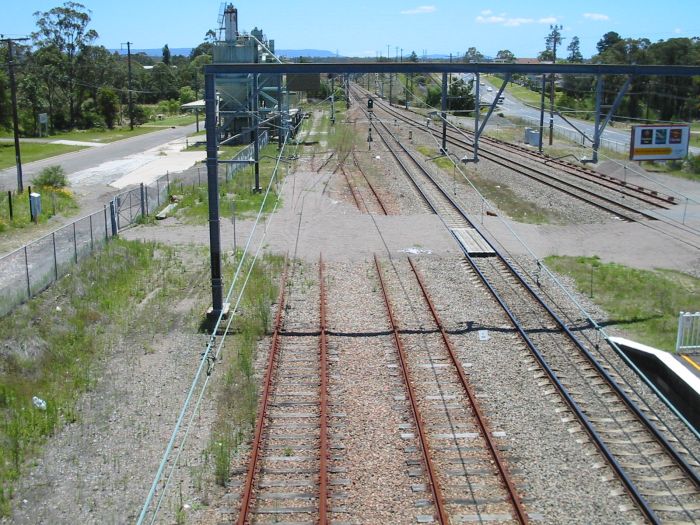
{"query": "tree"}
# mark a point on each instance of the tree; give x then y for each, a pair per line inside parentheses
(460, 95)
(65, 29)
(574, 49)
(108, 105)
(187, 95)
(609, 40)
(505, 55)
(413, 57)
(166, 55)
(473, 55)
(552, 40)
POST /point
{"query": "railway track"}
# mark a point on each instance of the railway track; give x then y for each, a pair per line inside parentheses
(287, 475)
(601, 193)
(467, 482)
(662, 481)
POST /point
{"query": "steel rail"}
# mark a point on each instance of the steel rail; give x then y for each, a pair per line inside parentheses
(371, 187)
(352, 190)
(435, 488)
(519, 168)
(323, 447)
(634, 191)
(587, 424)
(599, 368)
(503, 471)
(264, 404)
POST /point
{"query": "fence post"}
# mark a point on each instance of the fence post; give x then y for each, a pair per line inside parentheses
(26, 269)
(55, 259)
(9, 200)
(92, 240)
(145, 189)
(158, 191)
(106, 231)
(167, 178)
(113, 217)
(143, 203)
(131, 211)
(75, 244)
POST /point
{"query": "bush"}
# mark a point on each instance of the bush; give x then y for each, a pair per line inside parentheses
(51, 177)
(693, 164)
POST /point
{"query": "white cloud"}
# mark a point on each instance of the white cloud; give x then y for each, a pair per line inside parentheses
(487, 12)
(596, 16)
(420, 10)
(508, 21)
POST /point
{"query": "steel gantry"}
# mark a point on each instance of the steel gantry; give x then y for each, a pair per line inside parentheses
(505, 70)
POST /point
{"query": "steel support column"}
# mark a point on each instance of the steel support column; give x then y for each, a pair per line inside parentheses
(280, 126)
(544, 86)
(443, 107)
(213, 187)
(598, 102)
(477, 114)
(480, 128)
(256, 132)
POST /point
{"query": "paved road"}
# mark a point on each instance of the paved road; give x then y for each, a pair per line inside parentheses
(514, 107)
(93, 157)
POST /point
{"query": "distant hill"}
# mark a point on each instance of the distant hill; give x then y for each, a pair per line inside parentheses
(316, 53)
(185, 51)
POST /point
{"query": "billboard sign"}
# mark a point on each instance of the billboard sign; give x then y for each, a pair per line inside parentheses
(659, 142)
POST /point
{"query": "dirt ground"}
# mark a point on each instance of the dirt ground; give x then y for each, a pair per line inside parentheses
(99, 471)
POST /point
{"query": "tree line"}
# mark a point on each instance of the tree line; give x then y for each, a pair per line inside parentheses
(78, 84)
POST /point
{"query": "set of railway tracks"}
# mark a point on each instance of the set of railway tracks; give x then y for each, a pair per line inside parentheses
(660, 477)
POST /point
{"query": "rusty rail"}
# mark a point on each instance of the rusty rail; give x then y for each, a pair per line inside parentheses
(264, 399)
(374, 192)
(513, 495)
(323, 446)
(435, 488)
(352, 190)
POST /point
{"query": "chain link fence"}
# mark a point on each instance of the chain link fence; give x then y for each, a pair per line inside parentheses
(574, 136)
(32, 268)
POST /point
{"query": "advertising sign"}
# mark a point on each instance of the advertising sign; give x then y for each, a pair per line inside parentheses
(659, 142)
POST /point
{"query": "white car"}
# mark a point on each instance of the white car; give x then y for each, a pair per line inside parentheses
(489, 89)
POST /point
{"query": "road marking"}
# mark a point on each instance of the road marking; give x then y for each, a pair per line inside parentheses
(690, 360)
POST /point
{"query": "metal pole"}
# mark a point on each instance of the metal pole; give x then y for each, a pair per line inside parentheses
(9, 200)
(26, 269)
(55, 259)
(544, 87)
(596, 130)
(679, 337)
(113, 218)
(131, 101)
(92, 238)
(444, 114)
(158, 192)
(477, 116)
(332, 100)
(280, 128)
(106, 231)
(143, 202)
(391, 86)
(15, 118)
(75, 245)
(256, 130)
(213, 186)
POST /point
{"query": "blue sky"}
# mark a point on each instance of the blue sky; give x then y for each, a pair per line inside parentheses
(364, 27)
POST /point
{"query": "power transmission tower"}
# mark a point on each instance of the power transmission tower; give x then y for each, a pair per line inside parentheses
(15, 119)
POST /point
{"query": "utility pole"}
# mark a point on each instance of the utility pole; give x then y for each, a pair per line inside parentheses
(556, 37)
(15, 119)
(131, 102)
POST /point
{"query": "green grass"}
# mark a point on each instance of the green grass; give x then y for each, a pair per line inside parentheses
(31, 151)
(237, 192)
(52, 342)
(644, 303)
(54, 201)
(522, 93)
(176, 120)
(238, 396)
(508, 201)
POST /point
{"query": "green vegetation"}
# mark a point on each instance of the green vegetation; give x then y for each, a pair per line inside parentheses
(31, 151)
(642, 302)
(54, 201)
(238, 396)
(508, 201)
(51, 177)
(524, 94)
(234, 192)
(51, 343)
